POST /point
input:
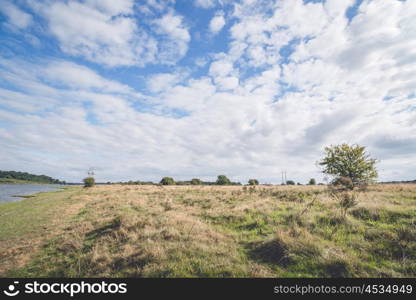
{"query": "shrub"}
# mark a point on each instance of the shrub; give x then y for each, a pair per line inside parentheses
(346, 200)
(341, 190)
(89, 182)
(253, 182)
(182, 183)
(167, 181)
(223, 180)
(290, 182)
(312, 181)
(196, 181)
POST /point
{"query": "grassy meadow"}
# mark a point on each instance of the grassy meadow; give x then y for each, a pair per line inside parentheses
(209, 231)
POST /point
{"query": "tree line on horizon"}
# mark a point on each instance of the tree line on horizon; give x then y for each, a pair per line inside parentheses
(15, 175)
(221, 180)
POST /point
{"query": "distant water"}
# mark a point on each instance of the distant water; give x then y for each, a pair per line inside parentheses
(7, 191)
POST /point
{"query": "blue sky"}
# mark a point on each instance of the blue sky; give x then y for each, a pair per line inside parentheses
(144, 89)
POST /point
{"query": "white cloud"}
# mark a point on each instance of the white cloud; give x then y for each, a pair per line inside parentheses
(149, 7)
(224, 74)
(171, 25)
(205, 3)
(227, 83)
(25, 103)
(201, 61)
(112, 7)
(84, 30)
(217, 22)
(221, 68)
(162, 82)
(80, 77)
(108, 33)
(15, 16)
(191, 97)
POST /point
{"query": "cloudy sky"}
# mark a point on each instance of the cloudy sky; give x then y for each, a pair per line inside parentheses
(196, 88)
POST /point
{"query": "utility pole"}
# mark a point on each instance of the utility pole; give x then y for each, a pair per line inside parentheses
(91, 172)
(284, 178)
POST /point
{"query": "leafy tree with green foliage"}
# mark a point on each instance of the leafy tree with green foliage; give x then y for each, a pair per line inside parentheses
(253, 182)
(89, 182)
(350, 162)
(223, 180)
(196, 181)
(167, 181)
(312, 181)
(290, 182)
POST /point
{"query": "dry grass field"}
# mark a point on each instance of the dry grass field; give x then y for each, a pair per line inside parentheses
(209, 231)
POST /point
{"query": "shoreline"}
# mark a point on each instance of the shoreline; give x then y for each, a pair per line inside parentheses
(2, 181)
(20, 196)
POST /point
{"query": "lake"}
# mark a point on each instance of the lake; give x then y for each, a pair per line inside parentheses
(7, 191)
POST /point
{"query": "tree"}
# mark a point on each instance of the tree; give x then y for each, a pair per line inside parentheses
(290, 182)
(167, 181)
(196, 181)
(312, 181)
(350, 162)
(253, 182)
(223, 180)
(89, 182)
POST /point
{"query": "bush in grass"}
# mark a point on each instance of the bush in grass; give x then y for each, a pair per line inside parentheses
(196, 181)
(167, 181)
(89, 182)
(223, 180)
(253, 182)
